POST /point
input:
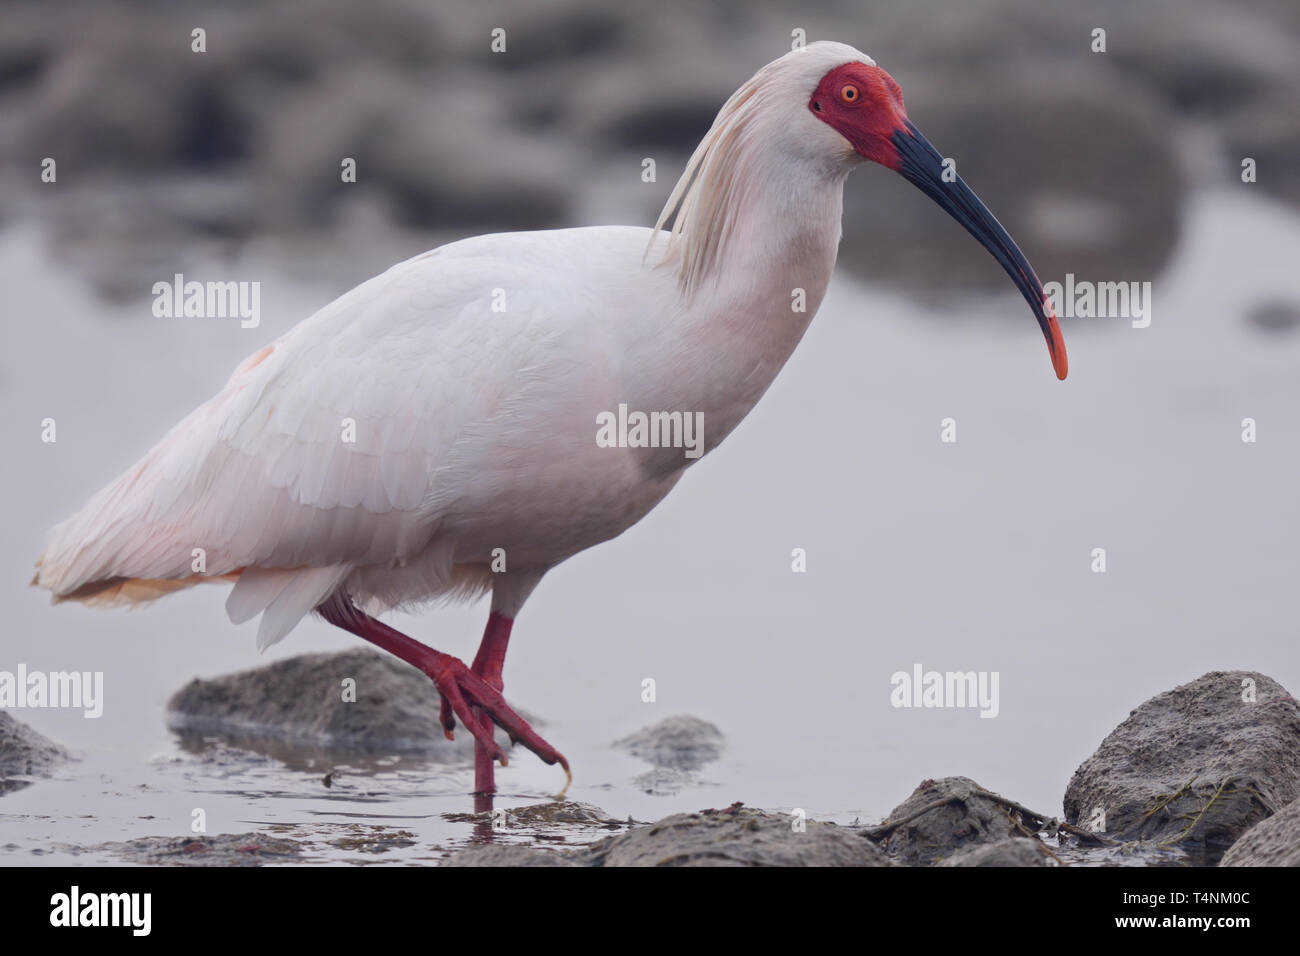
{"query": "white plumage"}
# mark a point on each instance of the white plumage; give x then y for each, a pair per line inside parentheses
(475, 426)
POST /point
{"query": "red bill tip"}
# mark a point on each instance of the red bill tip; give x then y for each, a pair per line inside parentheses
(1055, 341)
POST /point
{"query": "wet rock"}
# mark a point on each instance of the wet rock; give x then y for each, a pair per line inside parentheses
(490, 176)
(301, 699)
(373, 839)
(942, 817)
(504, 855)
(674, 126)
(548, 822)
(1135, 854)
(560, 812)
(676, 746)
(1275, 316)
(1011, 852)
(175, 109)
(1078, 196)
(737, 836)
(538, 38)
(24, 754)
(26, 50)
(1271, 842)
(1273, 141)
(663, 781)
(454, 139)
(230, 849)
(1209, 62)
(172, 109)
(679, 742)
(1195, 767)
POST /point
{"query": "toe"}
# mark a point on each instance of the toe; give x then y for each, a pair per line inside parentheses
(493, 705)
(452, 697)
(446, 717)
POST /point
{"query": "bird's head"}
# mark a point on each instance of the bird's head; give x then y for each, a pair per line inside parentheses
(864, 106)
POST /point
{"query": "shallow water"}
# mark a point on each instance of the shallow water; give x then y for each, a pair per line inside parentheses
(973, 556)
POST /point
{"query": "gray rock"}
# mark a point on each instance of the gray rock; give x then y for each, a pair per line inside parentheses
(542, 817)
(1208, 62)
(280, 844)
(173, 109)
(675, 126)
(498, 855)
(1077, 198)
(301, 699)
(24, 754)
(453, 139)
(228, 849)
(679, 742)
(944, 816)
(562, 32)
(552, 825)
(490, 176)
(663, 781)
(737, 836)
(1276, 316)
(1269, 137)
(1011, 852)
(1271, 842)
(1195, 767)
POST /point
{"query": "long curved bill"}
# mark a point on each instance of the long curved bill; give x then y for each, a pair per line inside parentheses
(922, 166)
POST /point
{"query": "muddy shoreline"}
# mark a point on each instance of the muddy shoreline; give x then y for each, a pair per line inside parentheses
(1205, 774)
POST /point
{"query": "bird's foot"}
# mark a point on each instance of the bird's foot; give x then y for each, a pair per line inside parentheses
(464, 694)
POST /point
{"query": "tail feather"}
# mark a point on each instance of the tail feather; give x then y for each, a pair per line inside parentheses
(114, 592)
(306, 589)
(255, 591)
(283, 596)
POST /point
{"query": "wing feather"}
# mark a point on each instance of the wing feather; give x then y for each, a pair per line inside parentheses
(260, 477)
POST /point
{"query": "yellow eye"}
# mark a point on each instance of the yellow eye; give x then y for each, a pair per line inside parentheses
(849, 93)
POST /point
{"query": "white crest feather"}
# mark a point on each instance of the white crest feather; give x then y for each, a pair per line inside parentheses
(704, 203)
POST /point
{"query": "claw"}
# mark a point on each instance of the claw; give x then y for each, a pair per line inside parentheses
(568, 779)
(445, 716)
(479, 706)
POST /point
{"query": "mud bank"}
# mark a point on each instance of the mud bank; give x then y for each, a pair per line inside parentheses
(1206, 772)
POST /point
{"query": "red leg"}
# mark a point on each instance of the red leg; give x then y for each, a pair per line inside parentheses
(465, 694)
(488, 662)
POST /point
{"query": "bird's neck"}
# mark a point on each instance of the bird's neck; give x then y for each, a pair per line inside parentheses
(759, 217)
(775, 263)
(788, 240)
(743, 322)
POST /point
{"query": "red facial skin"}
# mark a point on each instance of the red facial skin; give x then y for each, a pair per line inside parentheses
(864, 105)
(869, 118)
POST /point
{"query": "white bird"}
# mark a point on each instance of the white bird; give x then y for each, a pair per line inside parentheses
(478, 378)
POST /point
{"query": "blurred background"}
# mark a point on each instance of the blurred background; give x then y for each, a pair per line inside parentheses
(1115, 166)
(163, 151)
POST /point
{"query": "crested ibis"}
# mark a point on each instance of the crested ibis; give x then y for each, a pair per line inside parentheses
(479, 378)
